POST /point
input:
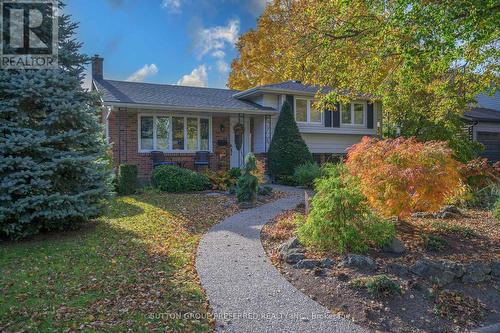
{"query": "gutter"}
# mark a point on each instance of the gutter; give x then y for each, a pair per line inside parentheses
(192, 109)
(258, 90)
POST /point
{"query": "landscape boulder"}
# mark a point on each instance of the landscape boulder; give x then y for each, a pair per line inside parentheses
(437, 272)
(326, 263)
(396, 269)
(359, 262)
(307, 264)
(476, 272)
(395, 246)
(495, 268)
(447, 212)
(290, 251)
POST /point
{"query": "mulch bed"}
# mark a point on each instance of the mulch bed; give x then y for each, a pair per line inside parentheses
(421, 307)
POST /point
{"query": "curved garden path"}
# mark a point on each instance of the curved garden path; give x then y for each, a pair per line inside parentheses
(245, 291)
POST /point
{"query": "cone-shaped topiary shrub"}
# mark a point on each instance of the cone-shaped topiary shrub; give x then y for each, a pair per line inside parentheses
(288, 150)
(248, 184)
(53, 169)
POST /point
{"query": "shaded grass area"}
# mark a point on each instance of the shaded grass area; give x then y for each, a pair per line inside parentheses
(132, 270)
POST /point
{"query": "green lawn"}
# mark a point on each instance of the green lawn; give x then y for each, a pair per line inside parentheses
(131, 270)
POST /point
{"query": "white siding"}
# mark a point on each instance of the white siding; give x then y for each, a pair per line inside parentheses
(270, 100)
(259, 135)
(486, 127)
(330, 143)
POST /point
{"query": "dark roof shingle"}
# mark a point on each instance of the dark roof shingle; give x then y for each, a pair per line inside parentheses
(482, 114)
(173, 95)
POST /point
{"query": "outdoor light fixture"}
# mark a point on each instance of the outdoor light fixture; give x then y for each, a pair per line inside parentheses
(222, 128)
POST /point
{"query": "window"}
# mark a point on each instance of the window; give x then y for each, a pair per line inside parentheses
(353, 114)
(301, 110)
(178, 133)
(162, 133)
(147, 133)
(346, 114)
(204, 134)
(174, 133)
(192, 133)
(359, 113)
(315, 115)
(306, 113)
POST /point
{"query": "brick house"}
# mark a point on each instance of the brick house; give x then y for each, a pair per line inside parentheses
(179, 121)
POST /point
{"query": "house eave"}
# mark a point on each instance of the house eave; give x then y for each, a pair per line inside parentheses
(260, 90)
(188, 109)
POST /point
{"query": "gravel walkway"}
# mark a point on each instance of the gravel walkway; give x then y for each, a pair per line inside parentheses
(245, 291)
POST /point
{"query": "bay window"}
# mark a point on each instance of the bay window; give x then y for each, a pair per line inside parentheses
(306, 113)
(147, 133)
(162, 133)
(353, 114)
(177, 133)
(174, 133)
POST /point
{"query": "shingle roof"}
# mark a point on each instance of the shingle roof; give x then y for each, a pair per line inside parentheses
(173, 95)
(292, 87)
(295, 86)
(487, 101)
(482, 114)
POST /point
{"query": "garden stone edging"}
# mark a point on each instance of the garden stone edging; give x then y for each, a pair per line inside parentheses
(245, 291)
(447, 212)
(443, 272)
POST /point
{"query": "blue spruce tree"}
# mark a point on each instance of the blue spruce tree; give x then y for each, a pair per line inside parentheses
(53, 170)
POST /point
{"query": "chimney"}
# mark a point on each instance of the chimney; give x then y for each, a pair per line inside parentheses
(97, 63)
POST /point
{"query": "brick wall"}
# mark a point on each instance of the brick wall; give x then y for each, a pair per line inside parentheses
(124, 139)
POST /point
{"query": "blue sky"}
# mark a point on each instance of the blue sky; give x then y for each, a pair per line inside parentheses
(188, 42)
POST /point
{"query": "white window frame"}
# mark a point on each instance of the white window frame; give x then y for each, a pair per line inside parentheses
(351, 110)
(308, 112)
(170, 115)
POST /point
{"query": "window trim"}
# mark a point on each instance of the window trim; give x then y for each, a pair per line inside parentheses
(351, 107)
(309, 103)
(170, 115)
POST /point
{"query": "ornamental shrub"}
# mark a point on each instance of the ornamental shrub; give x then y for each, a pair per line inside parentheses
(221, 180)
(287, 150)
(260, 171)
(340, 218)
(171, 178)
(235, 173)
(482, 183)
(127, 179)
(305, 174)
(496, 210)
(401, 176)
(248, 184)
(53, 170)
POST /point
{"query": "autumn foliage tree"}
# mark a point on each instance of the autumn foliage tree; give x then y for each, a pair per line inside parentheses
(400, 176)
(426, 60)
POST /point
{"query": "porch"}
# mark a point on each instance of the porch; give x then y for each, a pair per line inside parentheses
(134, 133)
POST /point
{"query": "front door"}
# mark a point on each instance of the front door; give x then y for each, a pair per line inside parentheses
(238, 156)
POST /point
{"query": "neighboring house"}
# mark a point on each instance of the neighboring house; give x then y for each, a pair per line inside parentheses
(178, 120)
(484, 120)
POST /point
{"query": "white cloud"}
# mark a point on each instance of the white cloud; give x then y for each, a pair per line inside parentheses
(216, 38)
(219, 54)
(144, 72)
(173, 6)
(222, 66)
(197, 78)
